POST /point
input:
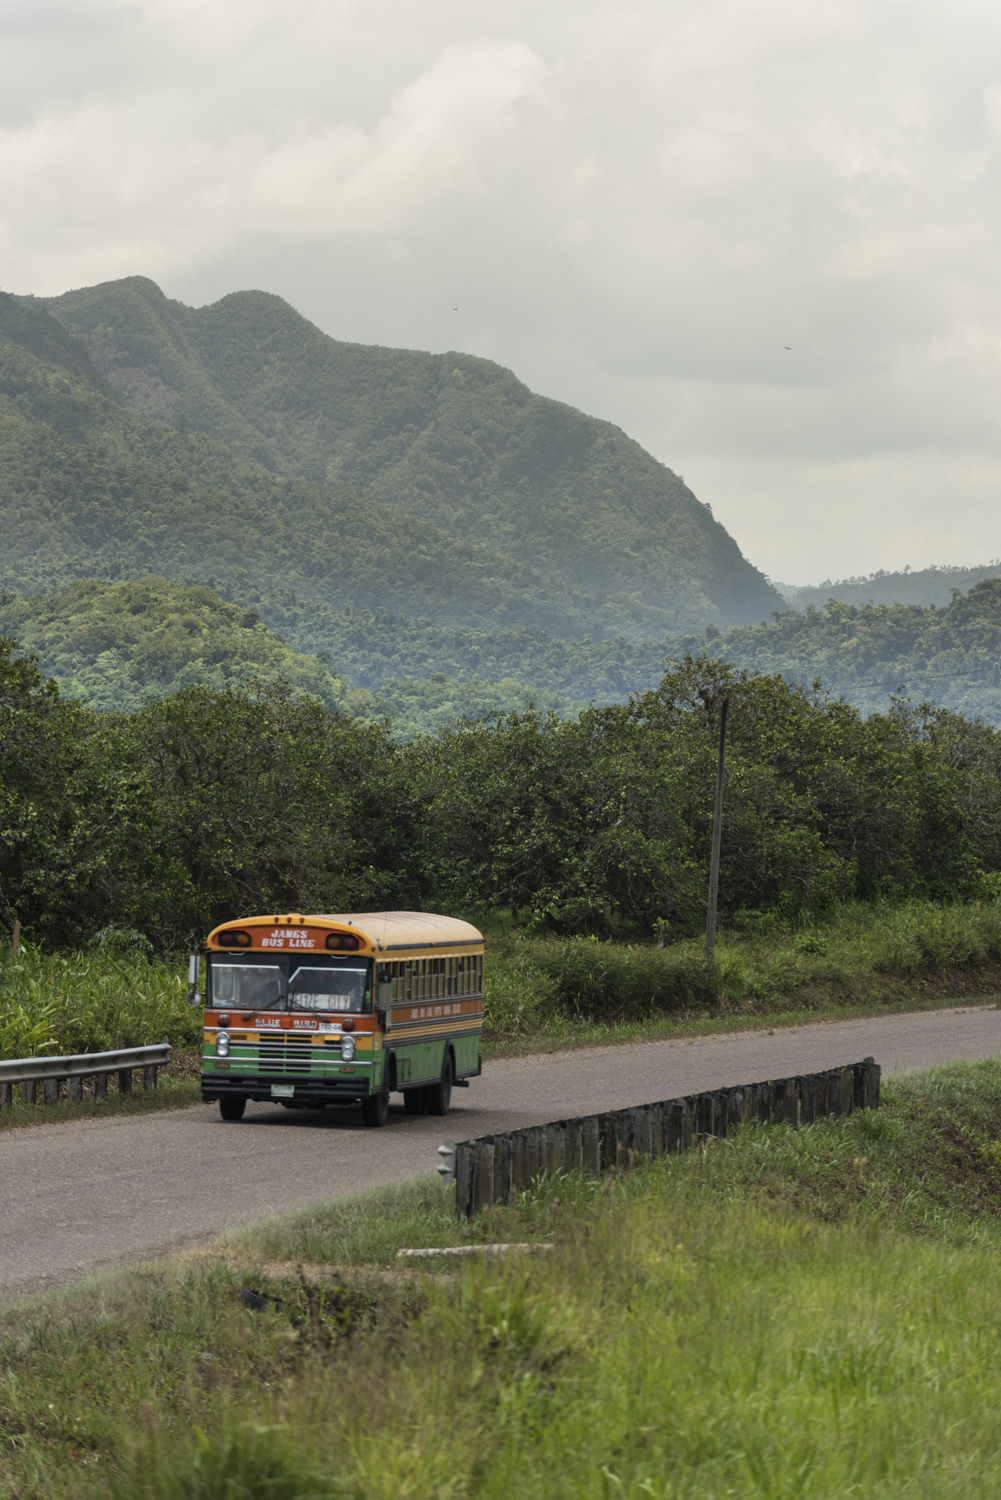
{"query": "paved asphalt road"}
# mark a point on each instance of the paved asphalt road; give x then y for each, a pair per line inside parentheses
(84, 1194)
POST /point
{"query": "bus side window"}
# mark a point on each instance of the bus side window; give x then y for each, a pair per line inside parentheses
(450, 976)
(479, 972)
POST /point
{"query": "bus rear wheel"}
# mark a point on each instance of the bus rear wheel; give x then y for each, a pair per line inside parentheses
(375, 1109)
(232, 1109)
(439, 1095)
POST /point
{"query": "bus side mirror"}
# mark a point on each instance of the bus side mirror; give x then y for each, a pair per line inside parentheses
(194, 963)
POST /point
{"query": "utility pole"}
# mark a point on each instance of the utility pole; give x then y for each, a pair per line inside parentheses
(717, 833)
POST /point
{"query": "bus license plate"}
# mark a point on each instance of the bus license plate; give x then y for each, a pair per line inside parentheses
(282, 1090)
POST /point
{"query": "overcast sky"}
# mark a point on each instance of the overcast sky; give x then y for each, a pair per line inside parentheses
(635, 206)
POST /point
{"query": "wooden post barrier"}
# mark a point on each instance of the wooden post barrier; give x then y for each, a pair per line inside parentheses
(495, 1168)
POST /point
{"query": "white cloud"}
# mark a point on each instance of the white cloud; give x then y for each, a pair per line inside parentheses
(638, 206)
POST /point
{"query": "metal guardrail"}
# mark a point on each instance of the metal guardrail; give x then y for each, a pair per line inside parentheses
(51, 1071)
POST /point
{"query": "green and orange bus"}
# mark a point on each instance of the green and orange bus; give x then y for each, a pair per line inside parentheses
(311, 1011)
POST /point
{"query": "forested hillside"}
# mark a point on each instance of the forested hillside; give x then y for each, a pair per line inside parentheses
(935, 585)
(88, 489)
(455, 440)
(113, 645)
(950, 656)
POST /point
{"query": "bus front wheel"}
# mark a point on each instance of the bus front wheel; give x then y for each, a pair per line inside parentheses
(232, 1109)
(375, 1109)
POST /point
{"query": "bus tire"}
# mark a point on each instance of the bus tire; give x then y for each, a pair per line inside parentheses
(415, 1101)
(439, 1095)
(232, 1108)
(375, 1109)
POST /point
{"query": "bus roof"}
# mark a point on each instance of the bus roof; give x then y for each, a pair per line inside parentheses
(408, 929)
(382, 930)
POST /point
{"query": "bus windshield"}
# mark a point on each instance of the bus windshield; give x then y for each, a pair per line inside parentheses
(315, 988)
(280, 983)
(245, 986)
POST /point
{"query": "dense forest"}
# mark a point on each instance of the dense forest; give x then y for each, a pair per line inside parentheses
(210, 802)
(456, 441)
(950, 656)
(113, 644)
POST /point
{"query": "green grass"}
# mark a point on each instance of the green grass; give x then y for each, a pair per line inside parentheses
(808, 1313)
(57, 1004)
(859, 959)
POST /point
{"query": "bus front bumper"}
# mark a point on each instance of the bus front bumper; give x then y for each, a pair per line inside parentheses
(313, 1091)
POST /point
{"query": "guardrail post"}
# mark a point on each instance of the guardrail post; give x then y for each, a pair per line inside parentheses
(50, 1092)
(28, 1091)
(149, 1076)
(125, 1081)
(100, 1085)
(74, 1088)
(6, 1095)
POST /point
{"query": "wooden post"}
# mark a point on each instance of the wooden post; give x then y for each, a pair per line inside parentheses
(125, 1080)
(674, 1133)
(591, 1144)
(502, 1168)
(717, 835)
(100, 1085)
(149, 1076)
(483, 1177)
(463, 1180)
(51, 1090)
(873, 1074)
(574, 1158)
(74, 1088)
(6, 1095)
(16, 939)
(28, 1091)
(555, 1149)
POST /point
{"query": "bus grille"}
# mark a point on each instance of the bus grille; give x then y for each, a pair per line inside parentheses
(286, 1057)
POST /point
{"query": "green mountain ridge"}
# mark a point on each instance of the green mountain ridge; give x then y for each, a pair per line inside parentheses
(456, 440)
(934, 585)
(89, 489)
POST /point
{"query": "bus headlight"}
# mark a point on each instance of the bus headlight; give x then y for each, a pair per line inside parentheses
(347, 1048)
(222, 1044)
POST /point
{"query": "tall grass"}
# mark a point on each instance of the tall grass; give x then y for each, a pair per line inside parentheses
(794, 1313)
(91, 1001)
(549, 986)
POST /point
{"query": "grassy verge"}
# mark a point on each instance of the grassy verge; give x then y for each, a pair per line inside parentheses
(805, 1313)
(860, 960)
